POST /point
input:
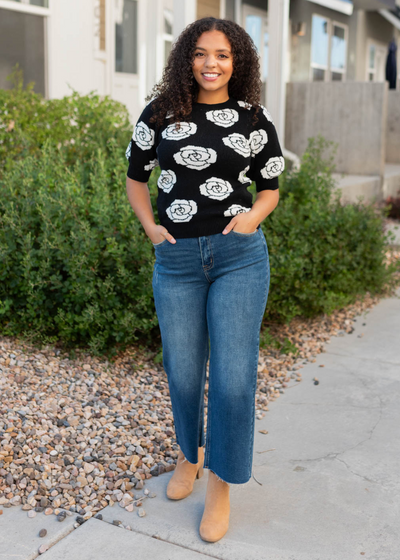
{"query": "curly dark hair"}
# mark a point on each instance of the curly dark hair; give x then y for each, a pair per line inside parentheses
(178, 87)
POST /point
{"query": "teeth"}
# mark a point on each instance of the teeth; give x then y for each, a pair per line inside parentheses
(211, 75)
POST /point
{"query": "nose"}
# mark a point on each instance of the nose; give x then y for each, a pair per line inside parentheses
(210, 62)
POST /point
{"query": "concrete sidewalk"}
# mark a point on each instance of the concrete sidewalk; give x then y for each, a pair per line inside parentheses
(328, 468)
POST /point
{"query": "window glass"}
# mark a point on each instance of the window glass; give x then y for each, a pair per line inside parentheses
(253, 28)
(318, 75)
(319, 41)
(41, 3)
(338, 48)
(167, 50)
(337, 76)
(265, 59)
(126, 36)
(22, 42)
(168, 20)
(372, 51)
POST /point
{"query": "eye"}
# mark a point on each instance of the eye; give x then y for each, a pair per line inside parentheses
(198, 53)
(224, 55)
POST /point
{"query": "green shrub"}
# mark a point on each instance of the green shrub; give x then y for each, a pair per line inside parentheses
(79, 125)
(74, 262)
(322, 253)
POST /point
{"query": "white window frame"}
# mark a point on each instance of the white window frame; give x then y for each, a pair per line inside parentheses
(329, 69)
(25, 7)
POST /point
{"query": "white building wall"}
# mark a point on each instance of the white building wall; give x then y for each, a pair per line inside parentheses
(71, 59)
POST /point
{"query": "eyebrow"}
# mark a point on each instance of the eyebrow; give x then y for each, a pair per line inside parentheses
(218, 50)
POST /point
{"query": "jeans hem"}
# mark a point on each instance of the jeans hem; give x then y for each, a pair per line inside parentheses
(227, 482)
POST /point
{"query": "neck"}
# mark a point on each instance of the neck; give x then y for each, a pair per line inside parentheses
(211, 97)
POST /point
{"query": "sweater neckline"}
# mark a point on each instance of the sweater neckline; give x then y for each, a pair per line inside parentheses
(213, 104)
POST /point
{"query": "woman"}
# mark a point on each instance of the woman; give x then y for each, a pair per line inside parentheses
(211, 274)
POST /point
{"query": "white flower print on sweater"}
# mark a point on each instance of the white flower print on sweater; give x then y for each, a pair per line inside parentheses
(181, 210)
(215, 188)
(151, 165)
(239, 143)
(143, 136)
(273, 167)
(267, 114)
(186, 130)
(245, 105)
(128, 150)
(166, 180)
(223, 117)
(258, 139)
(196, 157)
(235, 209)
(242, 177)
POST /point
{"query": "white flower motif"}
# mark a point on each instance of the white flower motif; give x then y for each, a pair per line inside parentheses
(239, 143)
(266, 113)
(273, 167)
(235, 209)
(223, 117)
(181, 210)
(215, 188)
(186, 130)
(166, 180)
(258, 139)
(151, 165)
(143, 136)
(195, 157)
(245, 104)
(128, 150)
(242, 177)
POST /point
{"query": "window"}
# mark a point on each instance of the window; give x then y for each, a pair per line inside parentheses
(126, 36)
(371, 63)
(41, 3)
(167, 35)
(22, 41)
(328, 49)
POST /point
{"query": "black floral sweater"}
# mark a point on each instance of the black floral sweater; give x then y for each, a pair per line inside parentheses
(207, 165)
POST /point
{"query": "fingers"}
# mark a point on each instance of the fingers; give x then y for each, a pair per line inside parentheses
(228, 227)
(168, 236)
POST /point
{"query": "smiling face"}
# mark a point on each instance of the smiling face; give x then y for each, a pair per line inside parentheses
(212, 66)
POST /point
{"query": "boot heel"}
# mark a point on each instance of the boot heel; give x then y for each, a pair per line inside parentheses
(200, 472)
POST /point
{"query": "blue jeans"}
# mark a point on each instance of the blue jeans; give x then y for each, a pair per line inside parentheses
(210, 295)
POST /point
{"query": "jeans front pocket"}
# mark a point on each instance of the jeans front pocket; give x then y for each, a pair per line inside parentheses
(161, 243)
(240, 233)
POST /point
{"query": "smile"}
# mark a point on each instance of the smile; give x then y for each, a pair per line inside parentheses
(210, 76)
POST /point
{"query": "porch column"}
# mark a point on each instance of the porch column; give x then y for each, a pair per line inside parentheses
(185, 12)
(278, 24)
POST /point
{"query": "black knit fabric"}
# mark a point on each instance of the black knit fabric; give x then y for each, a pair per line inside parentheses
(207, 165)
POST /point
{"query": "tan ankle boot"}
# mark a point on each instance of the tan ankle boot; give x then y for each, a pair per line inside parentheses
(185, 473)
(215, 520)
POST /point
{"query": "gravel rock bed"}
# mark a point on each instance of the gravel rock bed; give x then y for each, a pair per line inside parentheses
(81, 434)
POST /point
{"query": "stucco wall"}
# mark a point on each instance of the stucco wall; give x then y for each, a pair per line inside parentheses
(393, 127)
(353, 114)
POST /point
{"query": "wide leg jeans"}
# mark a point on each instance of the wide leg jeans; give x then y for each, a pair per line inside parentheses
(210, 295)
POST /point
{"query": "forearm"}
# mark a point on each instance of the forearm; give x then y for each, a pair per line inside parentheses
(265, 203)
(139, 198)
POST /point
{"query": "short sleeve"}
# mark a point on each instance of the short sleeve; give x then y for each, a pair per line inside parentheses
(267, 161)
(141, 151)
